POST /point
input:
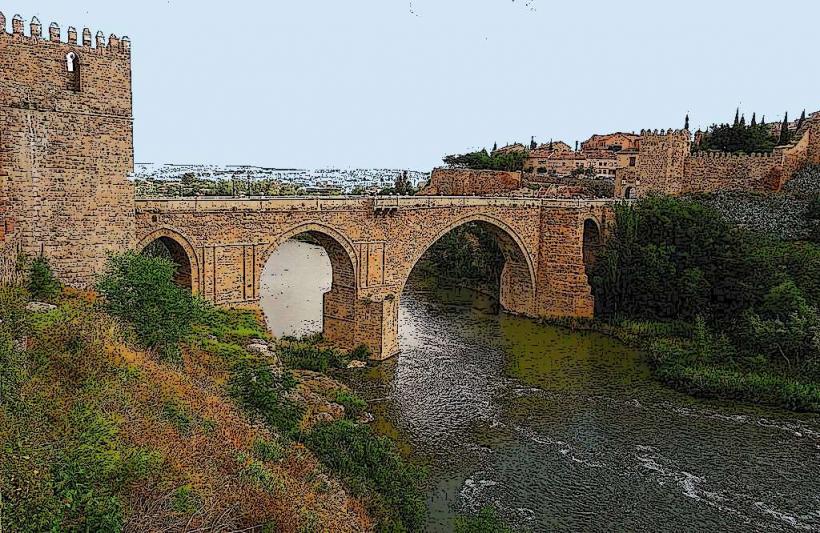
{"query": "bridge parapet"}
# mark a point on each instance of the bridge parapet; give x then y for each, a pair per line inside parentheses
(370, 203)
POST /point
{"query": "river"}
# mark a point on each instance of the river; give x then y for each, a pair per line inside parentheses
(561, 430)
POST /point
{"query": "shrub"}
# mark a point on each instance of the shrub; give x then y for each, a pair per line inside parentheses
(260, 392)
(185, 500)
(354, 406)
(813, 209)
(141, 291)
(309, 357)
(267, 450)
(371, 465)
(42, 284)
(486, 521)
(361, 353)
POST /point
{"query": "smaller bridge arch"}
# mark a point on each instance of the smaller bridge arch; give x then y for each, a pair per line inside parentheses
(340, 303)
(180, 251)
(592, 243)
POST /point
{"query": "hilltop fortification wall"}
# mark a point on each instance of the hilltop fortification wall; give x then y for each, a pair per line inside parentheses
(665, 165)
(466, 182)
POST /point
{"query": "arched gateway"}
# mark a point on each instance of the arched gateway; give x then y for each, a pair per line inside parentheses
(373, 245)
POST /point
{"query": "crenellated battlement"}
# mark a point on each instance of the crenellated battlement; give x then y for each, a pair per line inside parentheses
(665, 133)
(714, 154)
(113, 44)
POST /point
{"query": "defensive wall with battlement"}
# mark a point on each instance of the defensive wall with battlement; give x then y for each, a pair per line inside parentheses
(665, 164)
(66, 146)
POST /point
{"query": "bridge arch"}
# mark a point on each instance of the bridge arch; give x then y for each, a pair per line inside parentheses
(517, 285)
(179, 251)
(339, 303)
(592, 243)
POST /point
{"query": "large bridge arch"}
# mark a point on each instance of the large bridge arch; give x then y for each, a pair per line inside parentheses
(340, 302)
(518, 278)
(181, 252)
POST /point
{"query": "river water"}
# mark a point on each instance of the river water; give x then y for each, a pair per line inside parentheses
(561, 430)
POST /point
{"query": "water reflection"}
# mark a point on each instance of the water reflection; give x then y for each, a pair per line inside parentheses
(294, 280)
(567, 431)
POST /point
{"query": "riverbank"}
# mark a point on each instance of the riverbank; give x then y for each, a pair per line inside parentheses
(684, 357)
(161, 412)
(99, 434)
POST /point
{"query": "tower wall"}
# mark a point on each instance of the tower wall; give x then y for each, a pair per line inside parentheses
(66, 145)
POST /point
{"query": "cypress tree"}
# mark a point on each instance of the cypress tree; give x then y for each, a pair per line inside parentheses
(743, 120)
(737, 116)
(801, 120)
(495, 146)
(686, 122)
(784, 130)
(533, 144)
(754, 120)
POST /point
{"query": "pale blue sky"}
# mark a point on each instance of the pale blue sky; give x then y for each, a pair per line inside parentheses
(368, 83)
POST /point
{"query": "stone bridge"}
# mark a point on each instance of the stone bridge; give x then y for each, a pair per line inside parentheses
(223, 244)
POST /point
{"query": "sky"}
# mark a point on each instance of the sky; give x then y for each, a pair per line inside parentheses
(399, 84)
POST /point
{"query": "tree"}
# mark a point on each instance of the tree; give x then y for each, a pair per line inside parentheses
(42, 284)
(784, 131)
(402, 184)
(801, 120)
(141, 291)
(737, 117)
(686, 122)
(481, 160)
(495, 147)
(754, 120)
(533, 144)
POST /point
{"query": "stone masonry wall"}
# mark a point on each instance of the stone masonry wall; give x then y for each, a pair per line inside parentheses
(715, 171)
(66, 145)
(665, 165)
(373, 244)
(466, 182)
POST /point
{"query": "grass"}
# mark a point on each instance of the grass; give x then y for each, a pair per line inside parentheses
(486, 521)
(307, 355)
(683, 358)
(99, 435)
(354, 406)
(371, 465)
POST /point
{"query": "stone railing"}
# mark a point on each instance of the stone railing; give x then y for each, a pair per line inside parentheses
(337, 203)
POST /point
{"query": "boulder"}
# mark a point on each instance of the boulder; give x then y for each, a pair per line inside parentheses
(40, 307)
(357, 364)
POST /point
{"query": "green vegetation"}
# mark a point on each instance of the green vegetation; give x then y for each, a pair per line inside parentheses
(93, 432)
(354, 406)
(740, 137)
(481, 160)
(140, 290)
(307, 356)
(749, 303)
(468, 255)
(486, 521)
(65, 466)
(371, 465)
(42, 284)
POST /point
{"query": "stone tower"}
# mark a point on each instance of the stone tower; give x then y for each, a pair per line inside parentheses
(66, 145)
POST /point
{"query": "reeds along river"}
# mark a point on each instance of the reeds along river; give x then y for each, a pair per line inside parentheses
(565, 430)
